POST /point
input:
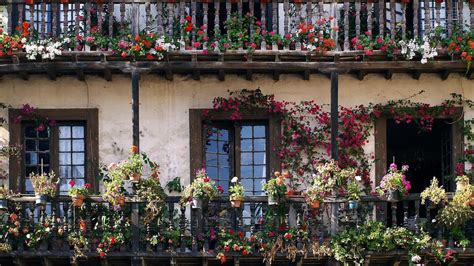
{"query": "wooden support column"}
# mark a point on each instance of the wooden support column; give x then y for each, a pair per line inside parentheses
(334, 114)
(136, 107)
(135, 17)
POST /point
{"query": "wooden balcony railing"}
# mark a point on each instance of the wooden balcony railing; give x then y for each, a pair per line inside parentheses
(185, 232)
(352, 17)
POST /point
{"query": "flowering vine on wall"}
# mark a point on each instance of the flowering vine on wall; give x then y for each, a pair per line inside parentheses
(306, 129)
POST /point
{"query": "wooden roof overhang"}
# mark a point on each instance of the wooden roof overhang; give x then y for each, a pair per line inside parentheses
(197, 63)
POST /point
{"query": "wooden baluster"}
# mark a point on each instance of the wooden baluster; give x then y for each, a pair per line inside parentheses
(394, 213)
(471, 13)
(449, 7)
(263, 8)
(404, 24)
(100, 17)
(32, 17)
(182, 19)
(43, 19)
(320, 10)
(309, 12)
(170, 7)
(346, 26)
(66, 17)
(251, 7)
(381, 18)
(147, 16)
(9, 25)
(88, 232)
(357, 19)
(182, 228)
(275, 16)
(77, 9)
(122, 14)
(298, 17)
(460, 15)
(239, 7)
(111, 18)
(193, 12)
(88, 17)
(438, 13)
(217, 6)
(159, 18)
(135, 227)
(393, 20)
(20, 15)
(286, 15)
(54, 19)
(228, 8)
(427, 16)
(415, 18)
(205, 18)
(405, 214)
(370, 6)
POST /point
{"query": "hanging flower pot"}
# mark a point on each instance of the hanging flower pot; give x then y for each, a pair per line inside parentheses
(41, 199)
(393, 196)
(121, 201)
(78, 200)
(236, 203)
(353, 204)
(272, 200)
(315, 204)
(197, 203)
(3, 204)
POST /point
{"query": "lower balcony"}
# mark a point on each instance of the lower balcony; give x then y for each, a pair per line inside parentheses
(289, 233)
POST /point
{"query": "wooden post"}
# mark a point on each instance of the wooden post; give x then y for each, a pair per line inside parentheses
(135, 107)
(334, 114)
(135, 18)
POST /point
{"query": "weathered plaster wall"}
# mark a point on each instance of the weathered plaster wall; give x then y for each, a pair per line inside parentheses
(165, 104)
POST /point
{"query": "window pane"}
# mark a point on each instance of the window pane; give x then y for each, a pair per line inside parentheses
(211, 146)
(65, 132)
(30, 145)
(78, 171)
(30, 132)
(259, 144)
(224, 160)
(211, 159)
(31, 158)
(43, 134)
(223, 146)
(64, 158)
(64, 145)
(78, 132)
(246, 158)
(78, 158)
(259, 158)
(44, 145)
(246, 171)
(260, 171)
(259, 131)
(78, 145)
(28, 186)
(65, 171)
(44, 158)
(212, 172)
(246, 145)
(246, 132)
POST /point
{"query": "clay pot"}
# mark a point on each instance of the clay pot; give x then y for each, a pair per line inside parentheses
(30, 2)
(236, 203)
(121, 201)
(78, 200)
(315, 204)
(64, 1)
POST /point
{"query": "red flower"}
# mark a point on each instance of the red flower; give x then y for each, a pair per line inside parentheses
(101, 245)
(220, 189)
(13, 217)
(206, 179)
(88, 186)
(245, 252)
(188, 18)
(241, 234)
(102, 254)
(149, 57)
(259, 23)
(113, 240)
(226, 248)
(189, 27)
(200, 32)
(288, 236)
(72, 183)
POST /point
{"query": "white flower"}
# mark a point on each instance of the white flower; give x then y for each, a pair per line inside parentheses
(28, 236)
(433, 221)
(234, 179)
(358, 178)
(47, 229)
(416, 258)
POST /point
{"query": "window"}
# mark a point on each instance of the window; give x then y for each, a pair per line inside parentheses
(235, 148)
(70, 148)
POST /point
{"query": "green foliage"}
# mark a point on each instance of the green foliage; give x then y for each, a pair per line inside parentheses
(174, 185)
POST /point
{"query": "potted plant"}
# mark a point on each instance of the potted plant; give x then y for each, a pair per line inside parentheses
(202, 189)
(394, 186)
(353, 195)
(5, 195)
(44, 185)
(78, 194)
(236, 193)
(462, 182)
(433, 195)
(313, 198)
(275, 189)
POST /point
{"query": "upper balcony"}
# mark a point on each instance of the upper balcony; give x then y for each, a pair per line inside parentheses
(235, 36)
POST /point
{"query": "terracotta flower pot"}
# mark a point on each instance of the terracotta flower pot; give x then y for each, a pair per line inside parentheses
(78, 200)
(64, 1)
(121, 201)
(315, 204)
(30, 2)
(236, 203)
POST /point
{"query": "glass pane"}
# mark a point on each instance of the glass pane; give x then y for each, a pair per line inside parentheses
(44, 145)
(225, 186)
(211, 159)
(64, 158)
(260, 171)
(246, 145)
(259, 185)
(78, 145)
(212, 172)
(30, 132)
(78, 171)
(246, 132)
(224, 160)
(78, 132)
(211, 146)
(246, 158)
(64, 145)
(259, 132)
(30, 145)
(44, 158)
(211, 133)
(78, 158)
(246, 171)
(28, 186)
(223, 134)
(65, 132)
(223, 147)
(43, 134)
(259, 144)
(64, 184)
(224, 173)
(248, 186)
(30, 170)
(259, 158)
(65, 171)
(31, 158)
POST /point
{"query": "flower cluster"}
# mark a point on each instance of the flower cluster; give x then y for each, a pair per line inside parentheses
(45, 49)
(368, 43)
(76, 191)
(44, 184)
(236, 191)
(316, 37)
(412, 47)
(394, 180)
(202, 187)
(276, 187)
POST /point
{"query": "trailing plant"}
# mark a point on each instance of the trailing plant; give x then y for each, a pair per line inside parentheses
(115, 232)
(150, 191)
(275, 187)
(80, 244)
(436, 194)
(394, 180)
(174, 185)
(236, 191)
(202, 187)
(44, 184)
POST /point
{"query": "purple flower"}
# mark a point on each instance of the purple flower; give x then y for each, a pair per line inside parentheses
(393, 166)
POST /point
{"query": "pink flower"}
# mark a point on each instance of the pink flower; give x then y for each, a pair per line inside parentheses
(205, 51)
(220, 189)
(90, 39)
(72, 183)
(197, 44)
(88, 185)
(259, 23)
(40, 127)
(122, 45)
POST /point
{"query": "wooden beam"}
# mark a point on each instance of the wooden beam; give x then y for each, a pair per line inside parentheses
(136, 107)
(168, 74)
(388, 74)
(249, 75)
(221, 75)
(196, 72)
(51, 73)
(80, 74)
(361, 74)
(108, 74)
(276, 75)
(416, 74)
(306, 74)
(334, 114)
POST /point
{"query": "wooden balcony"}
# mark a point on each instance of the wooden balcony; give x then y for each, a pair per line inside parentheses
(186, 236)
(395, 20)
